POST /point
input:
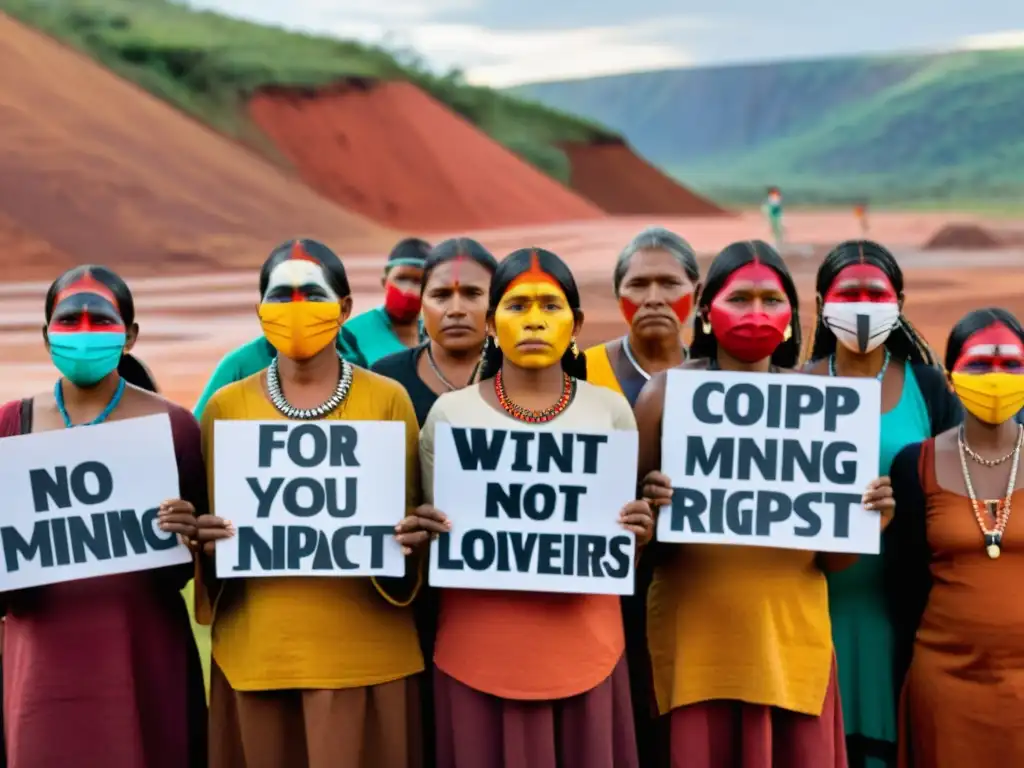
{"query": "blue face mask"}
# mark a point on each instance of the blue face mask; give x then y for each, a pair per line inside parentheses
(86, 357)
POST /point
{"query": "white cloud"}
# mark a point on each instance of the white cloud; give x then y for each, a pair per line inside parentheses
(501, 58)
(1011, 38)
(487, 56)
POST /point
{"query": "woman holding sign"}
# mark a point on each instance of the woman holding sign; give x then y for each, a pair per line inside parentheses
(860, 306)
(739, 636)
(103, 671)
(530, 679)
(655, 280)
(318, 672)
(956, 562)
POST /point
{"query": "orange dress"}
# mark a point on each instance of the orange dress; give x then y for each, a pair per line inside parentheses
(963, 699)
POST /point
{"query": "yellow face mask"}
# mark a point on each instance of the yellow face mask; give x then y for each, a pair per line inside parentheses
(990, 397)
(300, 329)
(534, 323)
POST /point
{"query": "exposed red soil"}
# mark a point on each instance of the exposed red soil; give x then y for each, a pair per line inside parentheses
(389, 151)
(963, 236)
(621, 182)
(98, 169)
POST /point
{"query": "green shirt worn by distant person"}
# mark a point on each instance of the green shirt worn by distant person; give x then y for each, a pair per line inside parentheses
(363, 340)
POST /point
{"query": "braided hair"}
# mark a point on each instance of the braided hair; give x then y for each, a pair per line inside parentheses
(574, 362)
(905, 342)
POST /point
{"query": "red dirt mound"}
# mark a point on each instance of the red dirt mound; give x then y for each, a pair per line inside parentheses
(104, 172)
(394, 154)
(621, 182)
(962, 237)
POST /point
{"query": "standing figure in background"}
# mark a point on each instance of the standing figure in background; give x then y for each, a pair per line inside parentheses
(395, 325)
(656, 280)
(860, 212)
(772, 209)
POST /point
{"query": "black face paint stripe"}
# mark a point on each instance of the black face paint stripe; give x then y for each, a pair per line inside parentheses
(863, 332)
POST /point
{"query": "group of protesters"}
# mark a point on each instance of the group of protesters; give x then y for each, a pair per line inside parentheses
(723, 656)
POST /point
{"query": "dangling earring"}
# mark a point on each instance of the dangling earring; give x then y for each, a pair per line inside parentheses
(705, 325)
(493, 341)
(574, 348)
(788, 333)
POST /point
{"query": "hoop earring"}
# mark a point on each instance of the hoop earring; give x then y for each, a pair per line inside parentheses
(788, 333)
(705, 325)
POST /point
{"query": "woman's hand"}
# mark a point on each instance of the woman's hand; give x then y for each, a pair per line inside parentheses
(656, 489)
(878, 496)
(177, 516)
(638, 517)
(422, 526)
(210, 529)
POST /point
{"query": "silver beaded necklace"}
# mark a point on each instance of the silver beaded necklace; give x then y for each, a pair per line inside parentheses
(330, 405)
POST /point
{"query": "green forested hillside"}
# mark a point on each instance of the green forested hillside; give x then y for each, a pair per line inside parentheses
(897, 129)
(208, 64)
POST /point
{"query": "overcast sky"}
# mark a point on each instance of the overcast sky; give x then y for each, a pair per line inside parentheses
(506, 42)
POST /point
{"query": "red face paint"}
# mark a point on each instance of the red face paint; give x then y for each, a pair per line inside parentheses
(86, 305)
(750, 314)
(681, 308)
(861, 283)
(995, 349)
(400, 305)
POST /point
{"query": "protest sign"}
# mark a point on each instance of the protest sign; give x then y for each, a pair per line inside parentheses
(83, 502)
(310, 498)
(534, 510)
(775, 460)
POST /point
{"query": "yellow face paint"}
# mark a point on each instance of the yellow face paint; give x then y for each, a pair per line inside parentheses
(534, 323)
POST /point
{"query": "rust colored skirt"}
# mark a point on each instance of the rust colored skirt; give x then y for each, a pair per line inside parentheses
(373, 727)
(733, 734)
(592, 730)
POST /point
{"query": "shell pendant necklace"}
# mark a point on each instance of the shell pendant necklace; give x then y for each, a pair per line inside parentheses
(993, 536)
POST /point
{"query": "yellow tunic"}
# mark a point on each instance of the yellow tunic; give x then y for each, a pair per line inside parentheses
(599, 368)
(741, 623)
(279, 633)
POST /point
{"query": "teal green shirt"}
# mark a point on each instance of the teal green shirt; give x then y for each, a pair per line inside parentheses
(863, 636)
(363, 340)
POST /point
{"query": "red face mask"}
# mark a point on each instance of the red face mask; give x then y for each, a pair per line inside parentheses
(400, 305)
(751, 313)
(681, 308)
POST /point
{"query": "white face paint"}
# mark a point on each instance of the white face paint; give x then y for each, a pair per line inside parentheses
(861, 326)
(293, 275)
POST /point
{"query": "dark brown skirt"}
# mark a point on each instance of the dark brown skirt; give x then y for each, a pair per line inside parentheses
(592, 730)
(373, 727)
(734, 734)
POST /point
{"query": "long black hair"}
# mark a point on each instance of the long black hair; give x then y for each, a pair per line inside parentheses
(905, 342)
(334, 270)
(457, 248)
(574, 362)
(730, 259)
(973, 322)
(130, 368)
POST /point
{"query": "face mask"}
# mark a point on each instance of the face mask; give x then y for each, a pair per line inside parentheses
(861, 326)
(750, 336)
(990, 397)
(531, 332)
(87, 357)
(400, 305)
(300, 329)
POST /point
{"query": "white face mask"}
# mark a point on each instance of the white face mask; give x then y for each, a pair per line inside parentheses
(861, 326)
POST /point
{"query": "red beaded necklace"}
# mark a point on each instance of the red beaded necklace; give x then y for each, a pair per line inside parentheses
(520, 413)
